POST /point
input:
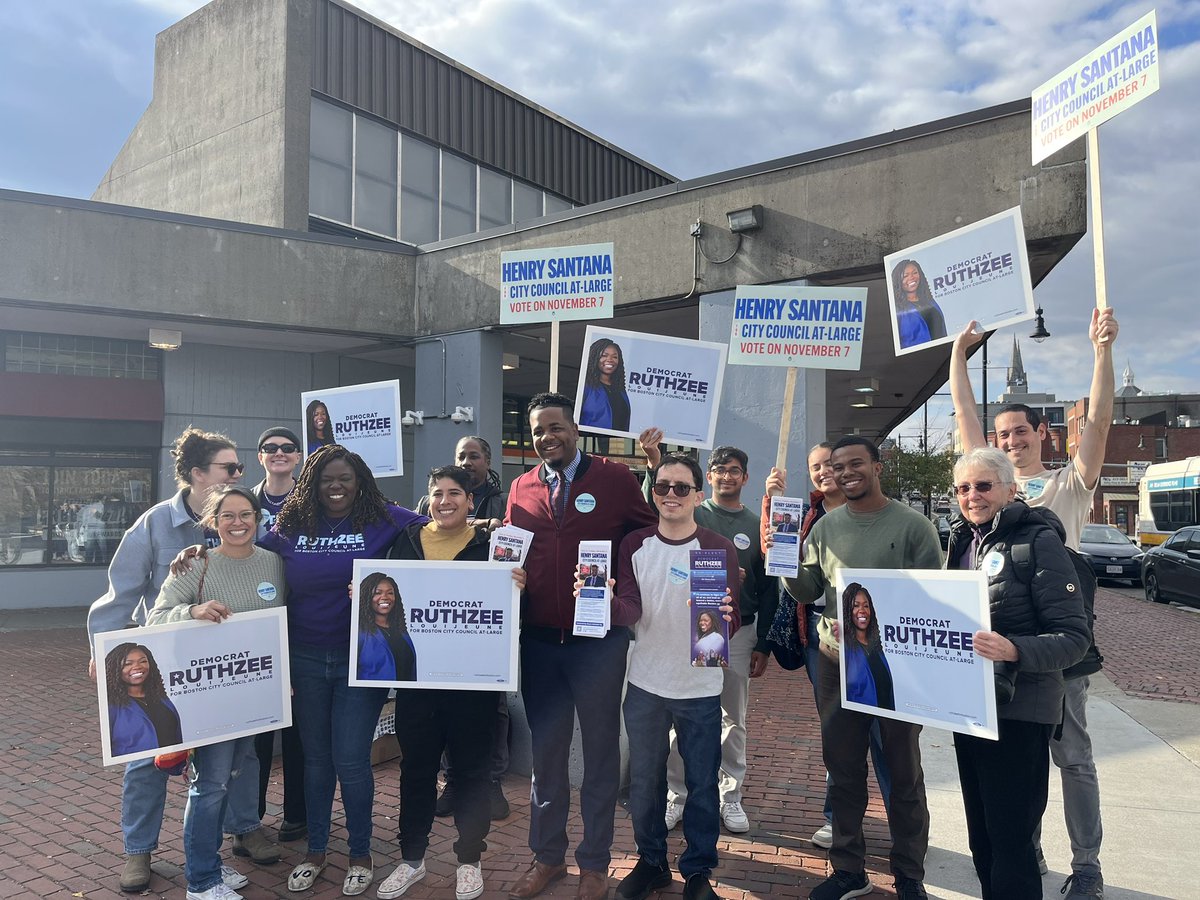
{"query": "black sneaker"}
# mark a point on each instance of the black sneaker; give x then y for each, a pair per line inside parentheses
(1082, 886)
(698, 887)
(445, 802)
(842, 886)
(910, 889)
(498, 801)
(644, 878)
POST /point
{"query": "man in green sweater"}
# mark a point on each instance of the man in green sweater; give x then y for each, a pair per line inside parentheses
(724, 513)
(869, 531)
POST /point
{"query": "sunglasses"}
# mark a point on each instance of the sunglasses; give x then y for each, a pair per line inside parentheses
(681, 490)
(272, 449)
(231, 468)
(982, 487)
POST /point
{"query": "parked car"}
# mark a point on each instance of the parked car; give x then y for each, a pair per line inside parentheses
(1171, 571)
(1110, 553)
(943, 527)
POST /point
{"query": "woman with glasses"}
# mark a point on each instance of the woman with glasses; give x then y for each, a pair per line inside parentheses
(1038, 629)
(237, 576)
(203, 460)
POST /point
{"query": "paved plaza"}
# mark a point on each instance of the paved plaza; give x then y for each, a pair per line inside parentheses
(59, 808)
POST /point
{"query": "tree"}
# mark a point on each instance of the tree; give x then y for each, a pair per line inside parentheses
(916, 472)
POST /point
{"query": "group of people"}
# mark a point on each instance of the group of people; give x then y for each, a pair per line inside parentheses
(686, 724)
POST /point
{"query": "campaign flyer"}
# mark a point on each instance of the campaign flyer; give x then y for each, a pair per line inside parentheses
(783, 557)
(593, 606)
(708, 587)
(510, 544)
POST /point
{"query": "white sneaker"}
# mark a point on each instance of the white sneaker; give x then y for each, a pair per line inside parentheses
(470, 882)
(216, 892)
(823, 837)
(735, 817)
(674, 814)
(402, 879)
(233, 878)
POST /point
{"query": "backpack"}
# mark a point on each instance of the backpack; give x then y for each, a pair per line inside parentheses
(1022, 558)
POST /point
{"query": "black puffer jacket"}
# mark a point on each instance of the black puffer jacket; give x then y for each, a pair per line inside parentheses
(1045, 619)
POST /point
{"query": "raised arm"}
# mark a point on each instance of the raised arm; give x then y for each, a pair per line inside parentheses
(1089, 461)
(970, 432)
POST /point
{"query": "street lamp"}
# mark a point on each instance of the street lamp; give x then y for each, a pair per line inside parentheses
(1040, 333)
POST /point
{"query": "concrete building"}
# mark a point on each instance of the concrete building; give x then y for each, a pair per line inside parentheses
(314, 199)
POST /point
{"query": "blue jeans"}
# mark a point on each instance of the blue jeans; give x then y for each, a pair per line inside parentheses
(337, 725)
(697, 722)
(224, 789)
(143, 799)
(878, 762)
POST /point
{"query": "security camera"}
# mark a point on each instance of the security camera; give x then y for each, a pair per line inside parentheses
(462, 415)
(412, 417)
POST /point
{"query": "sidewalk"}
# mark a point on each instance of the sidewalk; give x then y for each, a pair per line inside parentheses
(59, 809)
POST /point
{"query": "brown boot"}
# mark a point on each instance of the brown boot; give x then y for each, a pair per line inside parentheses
(136, 877)
(255, 845)
(593, 885)
(539, 877)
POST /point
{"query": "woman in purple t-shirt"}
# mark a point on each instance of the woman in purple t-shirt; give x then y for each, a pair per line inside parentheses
(335, 515)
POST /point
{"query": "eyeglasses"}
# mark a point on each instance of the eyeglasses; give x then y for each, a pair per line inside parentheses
(228, 518)
(731, 472)
(662, 488)
(982, 487)
(231, 468)
(272, 449)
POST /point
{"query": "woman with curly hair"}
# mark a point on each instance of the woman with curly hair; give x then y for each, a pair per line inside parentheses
(918, 316)
(868, 677)
(140, 714)
(385, 651)
(605, 401)
(335, 515)
(319, 430)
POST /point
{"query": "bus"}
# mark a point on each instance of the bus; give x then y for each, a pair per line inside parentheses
(1168, 499)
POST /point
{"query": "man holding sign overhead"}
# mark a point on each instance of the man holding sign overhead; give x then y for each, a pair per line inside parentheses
(571, 497)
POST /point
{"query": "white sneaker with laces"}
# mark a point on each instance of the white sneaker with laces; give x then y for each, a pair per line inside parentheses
(216, 892)
(469, 883)
(674, 814)
(823, 837)
(401, 880)
(735, 817)
(232, 878)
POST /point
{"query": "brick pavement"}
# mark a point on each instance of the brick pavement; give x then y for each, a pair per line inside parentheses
(59, 808)
(1149, 649)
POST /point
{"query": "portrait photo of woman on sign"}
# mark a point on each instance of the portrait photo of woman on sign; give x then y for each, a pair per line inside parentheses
(319, 432)
(919, 319)
(709, 648)
(385, 649)
(140, 714)
(868, 676)
(605, 401)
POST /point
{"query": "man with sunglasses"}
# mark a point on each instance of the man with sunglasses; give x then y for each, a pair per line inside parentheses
(1067, 492)
(571, 497)
(279, 454)
(724, 513)
(868, 531)
(666, 691)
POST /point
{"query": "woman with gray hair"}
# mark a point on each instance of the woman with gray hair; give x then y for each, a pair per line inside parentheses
(1038, 629)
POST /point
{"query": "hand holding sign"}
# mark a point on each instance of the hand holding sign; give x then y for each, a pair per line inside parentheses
(1103, 328)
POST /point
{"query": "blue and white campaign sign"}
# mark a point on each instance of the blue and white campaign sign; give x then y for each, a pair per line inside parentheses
(188, 684)
(978, 272)
(364, 418)
(907, 648)
(1119, 73)
(808, 327)
(556, 283)
(431, 624)
(629, 381)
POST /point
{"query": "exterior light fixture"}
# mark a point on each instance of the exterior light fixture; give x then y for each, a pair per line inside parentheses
(865, 385)
(1040, 333)
(413, 417)
(511, 361)
(862, 401)
(162, 339)
(745, 220)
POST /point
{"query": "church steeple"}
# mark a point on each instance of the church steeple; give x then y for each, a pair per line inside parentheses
(1017, 381)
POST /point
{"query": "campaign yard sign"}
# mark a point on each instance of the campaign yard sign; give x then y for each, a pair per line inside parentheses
(978, 272)
(433, 624)
(188, 684)
(364, 418)
(807, 327)
(1119, 73)
(562, 283)
(907, 652)
(629, 381)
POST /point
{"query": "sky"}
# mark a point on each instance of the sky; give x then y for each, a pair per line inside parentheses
(706, 86)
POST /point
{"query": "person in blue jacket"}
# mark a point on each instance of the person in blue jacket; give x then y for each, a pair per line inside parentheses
(918, 317)
(385, 650)
(140, 714)
(605, 401)
(868, 676)
(319, 432)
